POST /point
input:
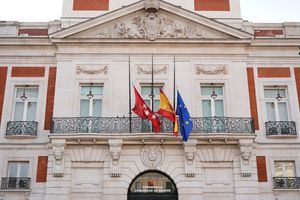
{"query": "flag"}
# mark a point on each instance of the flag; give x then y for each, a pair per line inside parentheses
(186, 125)
(167, 111)
(143, 111)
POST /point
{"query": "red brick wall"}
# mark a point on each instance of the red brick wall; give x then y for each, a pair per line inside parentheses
(28, 72)
(267, 33)
(90, 4)
(297, 77)
(50, 98)
(278, 72)
(3, 77)
(41, 174)
(34, 32)
(252, 96)
(261, 169)
(212, 5)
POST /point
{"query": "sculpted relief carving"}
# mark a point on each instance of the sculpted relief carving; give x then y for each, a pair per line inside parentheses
(246, 150)
(58, 154)
(211, 70)
(152, 26)
(91, 69)
(157, 69)
(152, 156)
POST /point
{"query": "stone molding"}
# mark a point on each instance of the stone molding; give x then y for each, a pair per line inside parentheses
(152, 156)
(86, 154)
(115, 147)
(216, 154)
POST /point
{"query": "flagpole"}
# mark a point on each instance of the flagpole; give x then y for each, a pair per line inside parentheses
(129, 88)
(174, 83)
(152, 84)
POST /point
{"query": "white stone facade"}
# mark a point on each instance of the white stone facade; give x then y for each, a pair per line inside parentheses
(212, 166)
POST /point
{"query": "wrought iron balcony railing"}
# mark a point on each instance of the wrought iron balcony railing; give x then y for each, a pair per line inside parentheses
(13, 183)
(286, 182)
(21, 128)
(281, 128)
(69, 125)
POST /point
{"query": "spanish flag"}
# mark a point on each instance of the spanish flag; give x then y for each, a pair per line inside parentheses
(166, 110)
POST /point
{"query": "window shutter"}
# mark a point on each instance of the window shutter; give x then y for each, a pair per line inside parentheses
(41, 175)
(261, 169)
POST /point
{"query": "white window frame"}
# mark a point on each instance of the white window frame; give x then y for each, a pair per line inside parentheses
(91, 100)
(18, 168)
(212, 101)
(275, 101)
(283, 167)
(18, 99)
(148, 98)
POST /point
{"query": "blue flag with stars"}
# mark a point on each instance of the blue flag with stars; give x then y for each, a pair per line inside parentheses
(186, 125)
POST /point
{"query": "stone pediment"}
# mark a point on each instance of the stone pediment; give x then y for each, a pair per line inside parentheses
(141, 21)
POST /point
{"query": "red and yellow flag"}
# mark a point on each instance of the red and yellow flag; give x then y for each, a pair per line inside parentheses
(166, 110)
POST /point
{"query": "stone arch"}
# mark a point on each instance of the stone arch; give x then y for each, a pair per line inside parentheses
(167, 190)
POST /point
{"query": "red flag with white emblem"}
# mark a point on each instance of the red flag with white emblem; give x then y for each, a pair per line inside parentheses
(144, 112)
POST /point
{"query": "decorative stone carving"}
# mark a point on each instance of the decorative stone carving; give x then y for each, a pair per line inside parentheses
(157, 69)
(152, 156)
(58, 154)
(92, 70)
(115, 146)
(152, 26)
(151, 5)
(246, 152)
(190, 152)
(211, 70)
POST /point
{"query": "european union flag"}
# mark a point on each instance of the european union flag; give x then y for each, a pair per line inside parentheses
(186, 125)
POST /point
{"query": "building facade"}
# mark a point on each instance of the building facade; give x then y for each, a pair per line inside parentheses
(65, 100)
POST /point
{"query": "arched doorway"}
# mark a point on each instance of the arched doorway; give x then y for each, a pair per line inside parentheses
(152, 185)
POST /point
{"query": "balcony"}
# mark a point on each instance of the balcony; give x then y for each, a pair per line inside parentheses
(71, 125)
(281, 128)
(21, 128)
(13, 183)
(286, 183)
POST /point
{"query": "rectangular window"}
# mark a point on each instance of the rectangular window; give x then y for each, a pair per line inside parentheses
(26, 103)
(18, 169)
(285, 169)
(276, 102)
(146, 95)
(146, 91)
(91, 97)
(212, 101)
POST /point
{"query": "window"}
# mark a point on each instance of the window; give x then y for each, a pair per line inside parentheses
(212, 100)
(26, 103)
(18, 169)
(146, 95)
(285, 169)
(91, 100)
(276, 104)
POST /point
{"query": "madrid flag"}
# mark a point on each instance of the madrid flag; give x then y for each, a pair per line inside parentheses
(144, 112)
